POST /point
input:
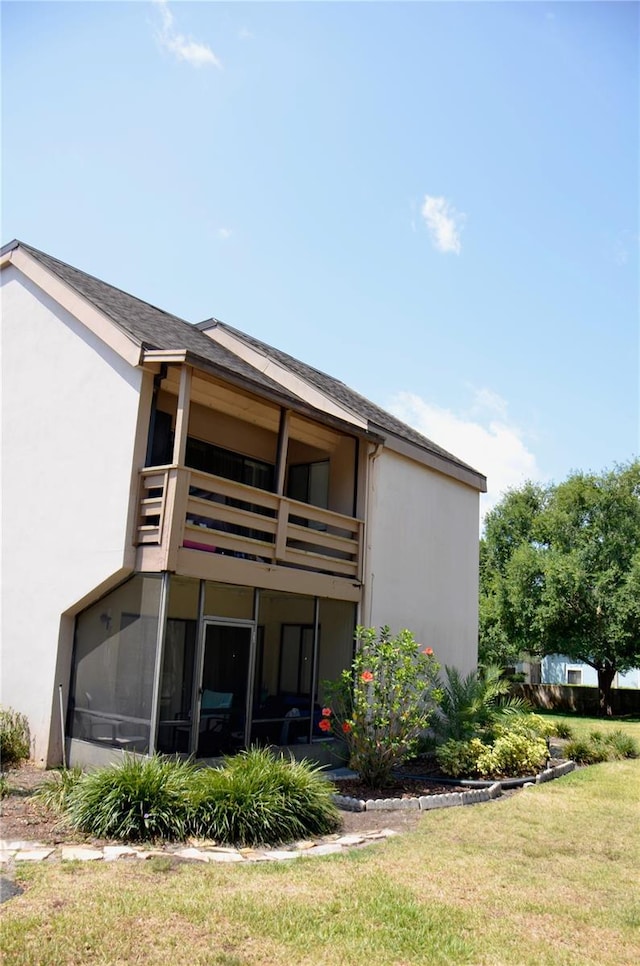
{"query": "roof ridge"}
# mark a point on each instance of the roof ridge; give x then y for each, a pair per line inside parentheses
(283, 352)
(429, 444)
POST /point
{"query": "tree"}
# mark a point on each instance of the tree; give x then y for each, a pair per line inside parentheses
(560, 573)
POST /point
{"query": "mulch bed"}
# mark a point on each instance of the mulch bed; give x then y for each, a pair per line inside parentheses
(23, 817)
(405, 787)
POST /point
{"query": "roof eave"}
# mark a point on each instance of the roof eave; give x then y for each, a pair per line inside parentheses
(100, 324)
(186, 357)
(448, 467)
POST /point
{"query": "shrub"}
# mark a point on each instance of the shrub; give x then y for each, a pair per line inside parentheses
(518, 747)
(585, 751)
(562, 729)
(383, 704)
(4, 787)
(623, 744)
(256, 797)
(260, 798)
(458, 758)
(513, 754)
(15, 740)
(56, 789)
(600, 746)
(139, 799)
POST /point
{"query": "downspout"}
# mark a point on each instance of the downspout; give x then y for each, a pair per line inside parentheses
(366, 607)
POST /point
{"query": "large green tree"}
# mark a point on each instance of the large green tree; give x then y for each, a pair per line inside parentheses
(560, 573)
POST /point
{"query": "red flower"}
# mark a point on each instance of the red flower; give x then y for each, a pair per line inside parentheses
(324, 725)
(346, 727)
(428, 651)
(326, 712)
(366, 676)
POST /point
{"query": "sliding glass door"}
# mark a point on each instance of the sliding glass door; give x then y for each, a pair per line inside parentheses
(225, 688)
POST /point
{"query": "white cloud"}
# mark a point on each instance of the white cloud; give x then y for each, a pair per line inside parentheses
(198, 55)
(224, 233)
(444, 224)
(482, 436)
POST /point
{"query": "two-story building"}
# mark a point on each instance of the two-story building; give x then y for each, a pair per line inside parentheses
(194, 522)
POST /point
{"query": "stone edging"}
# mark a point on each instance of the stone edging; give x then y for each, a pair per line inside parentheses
(448, 799)
(18, 851)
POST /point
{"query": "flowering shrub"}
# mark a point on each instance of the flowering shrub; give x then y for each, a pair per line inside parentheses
(383, 703)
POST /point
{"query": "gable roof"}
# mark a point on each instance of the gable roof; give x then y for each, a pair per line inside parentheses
(377, 418)
(153, 328)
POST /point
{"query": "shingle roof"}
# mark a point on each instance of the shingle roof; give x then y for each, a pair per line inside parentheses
(154, 328)
(151, 327)
(376, 417)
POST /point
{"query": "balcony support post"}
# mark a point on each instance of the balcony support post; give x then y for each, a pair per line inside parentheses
(283, 446)
(182, 417)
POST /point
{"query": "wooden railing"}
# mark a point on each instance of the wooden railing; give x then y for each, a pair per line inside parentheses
(180, 507)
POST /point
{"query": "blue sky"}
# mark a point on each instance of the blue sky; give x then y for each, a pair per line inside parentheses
(436, 202)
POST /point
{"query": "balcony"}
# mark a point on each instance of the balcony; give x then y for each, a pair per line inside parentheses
(210, 527)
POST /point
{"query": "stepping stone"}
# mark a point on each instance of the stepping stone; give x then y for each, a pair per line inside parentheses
(16, 844)
(32, 855)
(9, 889)
(113, 852)
(195, 855)
(329, 849)
(277, 855)
(214, 856)
(80, 853)
(352, 839)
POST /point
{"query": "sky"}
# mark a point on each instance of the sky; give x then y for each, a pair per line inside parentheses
(436, 202)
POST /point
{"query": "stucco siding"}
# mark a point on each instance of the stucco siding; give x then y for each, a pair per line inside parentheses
(69, 415)
(422, 557)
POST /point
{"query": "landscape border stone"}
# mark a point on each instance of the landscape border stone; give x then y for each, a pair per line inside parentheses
(450, 799)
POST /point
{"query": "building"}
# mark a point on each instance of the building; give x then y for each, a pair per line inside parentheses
(560, 669)
(194, 523)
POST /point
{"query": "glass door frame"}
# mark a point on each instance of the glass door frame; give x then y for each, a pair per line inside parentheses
(212, 621)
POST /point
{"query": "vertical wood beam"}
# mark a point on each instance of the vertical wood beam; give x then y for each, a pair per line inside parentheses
(182, 416)
(283, 446)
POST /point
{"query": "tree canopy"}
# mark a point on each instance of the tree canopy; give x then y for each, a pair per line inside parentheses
(560, 573)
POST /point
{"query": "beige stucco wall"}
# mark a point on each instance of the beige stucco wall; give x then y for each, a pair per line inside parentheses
(69, 412)
(422, 557)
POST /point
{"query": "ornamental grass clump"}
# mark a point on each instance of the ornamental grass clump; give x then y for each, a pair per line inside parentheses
(261, 798)
(140, 799)
(15, 739)
(384, 703)
(55, 791)
(600, 746)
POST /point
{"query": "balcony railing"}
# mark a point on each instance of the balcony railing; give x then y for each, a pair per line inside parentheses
(181, 507)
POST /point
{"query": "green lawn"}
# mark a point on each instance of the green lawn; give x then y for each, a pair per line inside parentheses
(583, 726)
(546, 876)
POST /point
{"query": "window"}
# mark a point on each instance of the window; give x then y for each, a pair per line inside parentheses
(232, 466)
(114, 664)
(574, 675)
(309, 483)
(296, 659)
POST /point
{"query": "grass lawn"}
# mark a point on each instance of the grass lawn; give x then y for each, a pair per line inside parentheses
(545, 876)
(582, 727)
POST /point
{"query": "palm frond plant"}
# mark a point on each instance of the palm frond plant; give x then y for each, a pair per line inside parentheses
(475, 703)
